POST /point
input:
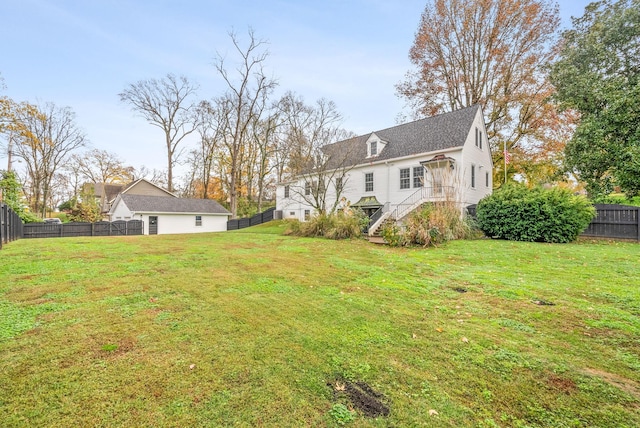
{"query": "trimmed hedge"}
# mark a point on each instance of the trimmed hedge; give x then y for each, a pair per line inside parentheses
(517, 213)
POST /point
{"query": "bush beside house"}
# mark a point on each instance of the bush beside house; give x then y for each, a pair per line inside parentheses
(518, 213)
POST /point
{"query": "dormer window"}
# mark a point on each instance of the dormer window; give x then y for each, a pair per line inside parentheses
(374, 146)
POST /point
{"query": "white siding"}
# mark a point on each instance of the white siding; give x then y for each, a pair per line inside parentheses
(185, 223)
(481, 158)
(120, 211)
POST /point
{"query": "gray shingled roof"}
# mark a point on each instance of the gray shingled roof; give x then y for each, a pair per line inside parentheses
(434, 133)
(169, 204)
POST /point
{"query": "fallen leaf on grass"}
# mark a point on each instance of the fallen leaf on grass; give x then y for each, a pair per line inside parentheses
(465, 340)
(192, 366)
(439, 330)
(433, 412)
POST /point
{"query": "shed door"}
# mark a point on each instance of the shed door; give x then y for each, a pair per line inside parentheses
(153, 225)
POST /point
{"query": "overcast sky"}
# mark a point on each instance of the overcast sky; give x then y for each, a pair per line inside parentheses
(82, 53)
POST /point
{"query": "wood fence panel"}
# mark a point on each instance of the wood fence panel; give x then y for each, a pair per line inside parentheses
(241, 223)
(101, 228)
(615, 221)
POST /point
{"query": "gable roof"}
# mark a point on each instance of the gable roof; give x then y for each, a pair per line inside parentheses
(169, 204)
(134, 183)
(440, 132)
(109, 190)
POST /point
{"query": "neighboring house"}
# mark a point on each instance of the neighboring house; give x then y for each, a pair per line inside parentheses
(170, 214)
(393, 171)
(106, 193)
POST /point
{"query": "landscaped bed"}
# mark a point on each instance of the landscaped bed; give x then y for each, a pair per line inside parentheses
(252, 328)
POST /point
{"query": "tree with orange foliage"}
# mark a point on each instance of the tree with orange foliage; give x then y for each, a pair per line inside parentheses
(492, 53)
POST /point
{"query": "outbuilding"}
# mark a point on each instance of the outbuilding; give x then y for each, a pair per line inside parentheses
(170, 215)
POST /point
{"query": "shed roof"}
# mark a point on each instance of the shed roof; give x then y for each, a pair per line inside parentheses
(169, 204)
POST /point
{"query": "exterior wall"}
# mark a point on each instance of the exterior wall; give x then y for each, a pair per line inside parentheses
(386, 184)
(481, 159)
(146, 189)
(185, 223)
(121, 212)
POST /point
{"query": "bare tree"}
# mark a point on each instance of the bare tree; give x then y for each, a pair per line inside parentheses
(101, 167)
(320, 152)
(165, 103)
(247, 90)
(51, 139)
(210, 126)
(326, 176)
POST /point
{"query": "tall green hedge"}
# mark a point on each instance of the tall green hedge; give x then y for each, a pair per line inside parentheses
(517, 213)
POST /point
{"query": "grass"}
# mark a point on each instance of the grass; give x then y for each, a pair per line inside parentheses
(252, 328)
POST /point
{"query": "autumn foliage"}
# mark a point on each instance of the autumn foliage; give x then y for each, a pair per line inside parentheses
(492, 53)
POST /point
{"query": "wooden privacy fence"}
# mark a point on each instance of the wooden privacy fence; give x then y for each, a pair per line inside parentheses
(241, 223)
(101, 228)
(611, 221)
(615, 221)
(10, 225)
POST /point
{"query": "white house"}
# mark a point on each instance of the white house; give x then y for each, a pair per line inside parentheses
(395, 170)
(170, 214)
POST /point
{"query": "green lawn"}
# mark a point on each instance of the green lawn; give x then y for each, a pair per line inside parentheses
(252, 328)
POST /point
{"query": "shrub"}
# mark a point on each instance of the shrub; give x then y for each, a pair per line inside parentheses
(517, 213)
(341, 225)
(431, 225)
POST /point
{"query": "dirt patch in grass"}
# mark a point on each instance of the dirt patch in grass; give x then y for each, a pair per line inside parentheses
(114, 348)
(627, 385)
(362, 397)
(562, 384)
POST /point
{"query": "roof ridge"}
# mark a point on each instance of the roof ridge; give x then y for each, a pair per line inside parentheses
(426, 118)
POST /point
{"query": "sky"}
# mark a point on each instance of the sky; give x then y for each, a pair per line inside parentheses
(83, 53)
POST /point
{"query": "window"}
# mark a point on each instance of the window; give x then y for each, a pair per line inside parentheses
(286, 191)
(339, 184)
(307, 214)
(307, 188)
(198, 220)
(373, 148)
(473, 176)
(418, 176)
(486, 179)
(292, 213)
(480, 140)
(405, 178)
(368, 182)
(476, 136)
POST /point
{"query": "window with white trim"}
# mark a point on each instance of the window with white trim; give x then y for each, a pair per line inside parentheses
(307, 214)
(373, 148)
(405, 178)
(486, 179)
(368, 182)
(287, 191)
(307, 188)
(418, 176)
(198, 220)
(473, 176)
